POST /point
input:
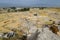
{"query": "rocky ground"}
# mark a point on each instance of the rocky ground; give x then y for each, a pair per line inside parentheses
(30, 21)
(45, 34)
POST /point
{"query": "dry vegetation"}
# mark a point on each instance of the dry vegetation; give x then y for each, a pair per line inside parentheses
(23, 20)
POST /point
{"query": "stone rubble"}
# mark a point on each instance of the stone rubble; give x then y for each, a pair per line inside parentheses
(45, 34)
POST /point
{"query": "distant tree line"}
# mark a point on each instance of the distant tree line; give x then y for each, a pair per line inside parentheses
(14, 9)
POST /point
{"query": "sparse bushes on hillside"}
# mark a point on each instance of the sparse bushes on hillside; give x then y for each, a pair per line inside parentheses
(13, 8)
(8, 10)
(24, 9)
(42, 7)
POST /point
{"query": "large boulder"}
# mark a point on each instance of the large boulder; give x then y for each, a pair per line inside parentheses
(45, 34)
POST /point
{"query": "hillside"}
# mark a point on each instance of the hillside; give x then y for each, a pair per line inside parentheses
(28, 20)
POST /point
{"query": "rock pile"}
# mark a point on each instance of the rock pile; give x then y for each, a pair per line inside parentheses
(45, 34)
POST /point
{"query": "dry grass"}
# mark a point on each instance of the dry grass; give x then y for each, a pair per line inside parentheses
(16, 19)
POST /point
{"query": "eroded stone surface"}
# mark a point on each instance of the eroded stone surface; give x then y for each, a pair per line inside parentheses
(45, 34)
